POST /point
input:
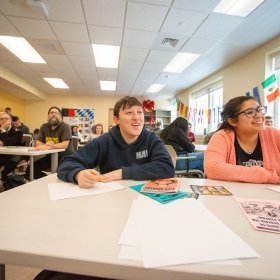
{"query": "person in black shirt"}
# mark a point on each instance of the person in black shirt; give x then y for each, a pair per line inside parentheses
(176, 136)
(8, 137)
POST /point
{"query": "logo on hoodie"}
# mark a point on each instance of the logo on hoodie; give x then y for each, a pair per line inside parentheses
(142, 154)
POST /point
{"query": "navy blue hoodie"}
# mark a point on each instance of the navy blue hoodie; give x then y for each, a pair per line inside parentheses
(145, 159)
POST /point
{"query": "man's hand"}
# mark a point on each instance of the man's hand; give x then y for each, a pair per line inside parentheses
(43, 147)
(88, 177)
(112, 176)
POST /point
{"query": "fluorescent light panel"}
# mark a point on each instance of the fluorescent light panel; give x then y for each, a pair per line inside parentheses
(106, 56)
(56, 82)
(155, 88)
(21, 48)
(240, 8)
(180, 62)
(108, 85)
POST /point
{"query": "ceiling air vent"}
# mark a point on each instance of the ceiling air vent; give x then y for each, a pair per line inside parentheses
(170, 41)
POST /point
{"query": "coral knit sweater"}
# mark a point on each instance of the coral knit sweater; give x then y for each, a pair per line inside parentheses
(220, 158)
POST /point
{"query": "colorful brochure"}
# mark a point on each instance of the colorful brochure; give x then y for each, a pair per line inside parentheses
(163, 197)
(210, 190)
(169, 185)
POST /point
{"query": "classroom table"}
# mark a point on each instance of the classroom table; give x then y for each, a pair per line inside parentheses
(31, 152)
(80, 235)
(200, 148)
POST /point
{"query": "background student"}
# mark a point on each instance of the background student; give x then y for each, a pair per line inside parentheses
(55, 134)
(8, 137)
(127, 151)
(176, 136)
(243, 148)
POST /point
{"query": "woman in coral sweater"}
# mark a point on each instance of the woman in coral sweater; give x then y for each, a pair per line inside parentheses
(244, 149)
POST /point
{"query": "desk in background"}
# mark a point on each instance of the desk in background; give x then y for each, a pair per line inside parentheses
(200, 148)
(80, 235)
(25, 151)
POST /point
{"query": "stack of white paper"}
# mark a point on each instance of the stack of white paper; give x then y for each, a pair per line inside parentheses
(181, 232)
(64, 190)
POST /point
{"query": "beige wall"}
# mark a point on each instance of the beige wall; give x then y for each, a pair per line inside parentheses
(241, 76)
(36, 112)
(16, 104)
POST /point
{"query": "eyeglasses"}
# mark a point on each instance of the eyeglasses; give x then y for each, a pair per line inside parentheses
(251, 112)
(54, 112)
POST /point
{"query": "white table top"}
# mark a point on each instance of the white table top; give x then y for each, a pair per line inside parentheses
(26, 151)
(80, 235)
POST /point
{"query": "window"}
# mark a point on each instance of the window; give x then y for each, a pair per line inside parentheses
(205, 108)
(276, 104)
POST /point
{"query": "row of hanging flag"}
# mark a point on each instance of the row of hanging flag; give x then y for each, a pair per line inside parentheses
(270, 89)
(205, 116)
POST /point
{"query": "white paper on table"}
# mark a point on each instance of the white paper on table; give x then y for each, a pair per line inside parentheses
(64, 190)
(178, 233)
(276, 188)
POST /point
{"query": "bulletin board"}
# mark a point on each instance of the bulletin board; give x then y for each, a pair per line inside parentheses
(83, 118)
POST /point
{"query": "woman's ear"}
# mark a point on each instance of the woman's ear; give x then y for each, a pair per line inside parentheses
(232, 122)
(116, 120)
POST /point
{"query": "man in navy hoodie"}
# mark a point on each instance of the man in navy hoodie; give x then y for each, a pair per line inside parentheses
(127, 151)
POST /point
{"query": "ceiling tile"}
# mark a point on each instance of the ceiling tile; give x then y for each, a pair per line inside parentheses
(182, 22)
(145, 17)
(197, 5)
(105, 35)
(217, 26)
(73, 13)
(70, 32)
(104, 12)
(33, 28)
(138, 39)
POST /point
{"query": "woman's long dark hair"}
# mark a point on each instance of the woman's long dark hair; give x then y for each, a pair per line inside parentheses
(231, 109)
(179, 122)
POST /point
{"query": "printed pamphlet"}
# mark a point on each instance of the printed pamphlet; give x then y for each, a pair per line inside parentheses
(263, 214)
(169, 185)
(164, 197)
(210, 190)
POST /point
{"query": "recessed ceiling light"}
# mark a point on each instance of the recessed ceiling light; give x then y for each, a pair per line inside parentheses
(56, 82)
(106, 56)
(155, 88)
(108, 85)
(237, 7)
(21, 48)
(180, 62)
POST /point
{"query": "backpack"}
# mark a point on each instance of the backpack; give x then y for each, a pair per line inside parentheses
(13, 181)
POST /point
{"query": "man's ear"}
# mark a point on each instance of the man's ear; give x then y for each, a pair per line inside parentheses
(232, 122)
(116, 120)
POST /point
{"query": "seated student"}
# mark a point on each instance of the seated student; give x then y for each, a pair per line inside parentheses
(176, 136)
(97, 130)
(8, 137)
(127, 151)
(244, 149)
(268, 120)
(55, 134)
(190, 134)
(18, 125)
(208, 136)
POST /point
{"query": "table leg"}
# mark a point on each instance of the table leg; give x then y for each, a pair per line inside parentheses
(54, 162)
(31, 168)
(2, 272)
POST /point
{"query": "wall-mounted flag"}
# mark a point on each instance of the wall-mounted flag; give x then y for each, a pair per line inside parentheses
(270, 87)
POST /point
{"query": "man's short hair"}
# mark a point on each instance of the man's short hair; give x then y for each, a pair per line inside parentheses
(125, 102)
(15, 118)
(54, 107)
